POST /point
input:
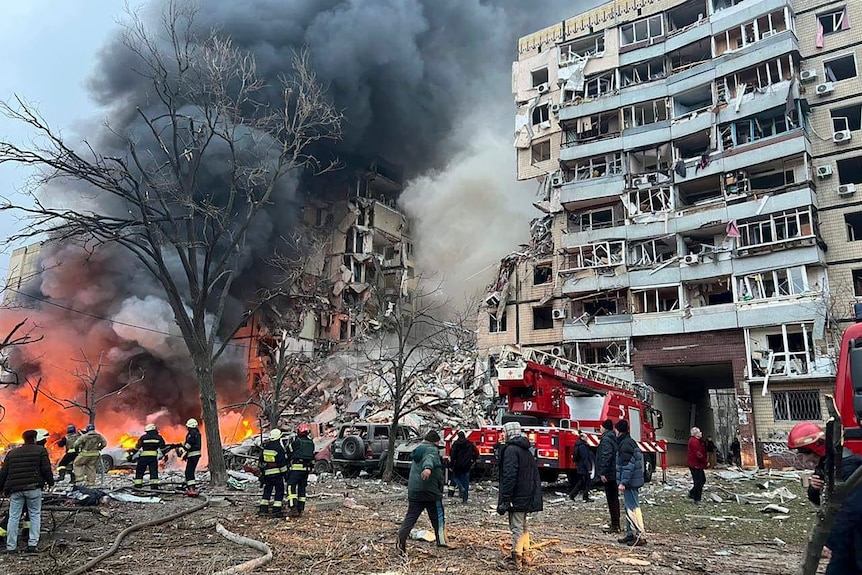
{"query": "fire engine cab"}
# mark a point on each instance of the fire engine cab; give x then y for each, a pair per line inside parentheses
(554, 399)
(848, 387)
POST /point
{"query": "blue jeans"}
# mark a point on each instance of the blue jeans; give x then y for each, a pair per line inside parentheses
(33, 499)
(462, 482)
(634, 517)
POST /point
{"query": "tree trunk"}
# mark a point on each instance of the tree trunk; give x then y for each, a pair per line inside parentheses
(209, 414)
(389, 470)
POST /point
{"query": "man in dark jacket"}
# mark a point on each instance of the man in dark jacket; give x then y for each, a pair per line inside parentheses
(24, 473)
(630, 477)
(736, 452)
(424, 491)
(520, 489)
(462, 456)
(844, 544)
(606, 469)
(583, 468)
(696, 462)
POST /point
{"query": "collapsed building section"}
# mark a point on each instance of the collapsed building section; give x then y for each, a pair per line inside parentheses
(679, 148)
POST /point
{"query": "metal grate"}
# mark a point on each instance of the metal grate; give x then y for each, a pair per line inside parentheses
(796, 405)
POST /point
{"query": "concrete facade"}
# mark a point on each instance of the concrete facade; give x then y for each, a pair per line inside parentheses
(687, 154)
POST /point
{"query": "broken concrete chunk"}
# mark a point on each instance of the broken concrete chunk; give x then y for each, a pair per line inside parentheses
(773, 508)
(633, 561)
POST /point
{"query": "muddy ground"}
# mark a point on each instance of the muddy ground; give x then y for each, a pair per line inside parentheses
(358, 537)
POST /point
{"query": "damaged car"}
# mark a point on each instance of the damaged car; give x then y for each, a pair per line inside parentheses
(364, 446)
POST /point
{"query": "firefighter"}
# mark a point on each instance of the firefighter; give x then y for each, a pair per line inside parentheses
(149, 445)
(301, 456)
(89, 447)
(68, 441)
(843, 546)
(192, 453)
(273, 467)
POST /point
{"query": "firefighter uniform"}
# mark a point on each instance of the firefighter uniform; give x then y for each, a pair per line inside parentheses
(89, 447)
(65, 464)
(273, 466)
(149, 445)
(192, 455)
(301, 462)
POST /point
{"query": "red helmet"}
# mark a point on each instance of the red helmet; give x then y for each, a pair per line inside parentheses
(303, 429)
(807, 435)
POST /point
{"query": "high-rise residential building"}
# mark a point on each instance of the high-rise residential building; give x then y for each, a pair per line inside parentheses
(23, 266)
(697, 166)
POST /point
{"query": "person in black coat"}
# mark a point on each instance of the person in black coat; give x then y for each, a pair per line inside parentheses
(25, 471)
(606, 470)
(462, 456)
(520, 490)
(583, 468)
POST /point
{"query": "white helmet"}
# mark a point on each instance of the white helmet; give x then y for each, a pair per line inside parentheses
(150, 427)
(275, 434)
(192, 423)
(42, 435)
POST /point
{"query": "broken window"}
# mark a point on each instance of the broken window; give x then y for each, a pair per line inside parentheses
(539, 77)
(598, 255)
(543, 318)
(699, 191)
(541, 151)
(592, 46)
(750, 32)
(684, 15)
(642, 30)
(853, 221)
(796, 405)
(772, 284)
(598, 166)
(591, 128)
(857, 282)
(704, 293)
(777, 228)
(761, 76)
(850, 170)
(690, 56)
(833, 21)
(652, 163)
(649, 200)
(643, 72)
(543, 273)
(600, 307)
(541, 114)
(649, 253)
(763, 125)
(655, 300)
(696, 145)
(842, 68)
(846, 118)
(787, 350)
(615, 352)
(645, 113)
(592, 219)
(773, 175)
(600, 84)
(495, 325)
(697, 100)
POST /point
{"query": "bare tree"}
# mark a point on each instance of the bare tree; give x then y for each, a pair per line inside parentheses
(17, 337)
(413, 336)
(88, 375)
(190, 234)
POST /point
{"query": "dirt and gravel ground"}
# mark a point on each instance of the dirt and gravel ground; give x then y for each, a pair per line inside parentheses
(722, 538)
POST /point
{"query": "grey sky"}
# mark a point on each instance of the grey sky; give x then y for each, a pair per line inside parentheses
(48, 48)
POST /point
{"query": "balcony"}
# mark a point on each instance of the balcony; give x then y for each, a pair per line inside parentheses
(791, 309)
(589, 281)
(606, 327)
(592, 189)
(710, 318)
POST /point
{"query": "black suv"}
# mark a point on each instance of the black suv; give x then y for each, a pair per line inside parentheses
(363, 446)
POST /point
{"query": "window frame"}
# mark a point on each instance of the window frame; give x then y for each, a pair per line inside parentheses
(851, 56)
(648, 22)
(784, 396)
(533, 149)
(837, 16)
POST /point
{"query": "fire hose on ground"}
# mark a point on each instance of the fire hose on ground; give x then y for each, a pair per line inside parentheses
(116, 545)
(248, 542)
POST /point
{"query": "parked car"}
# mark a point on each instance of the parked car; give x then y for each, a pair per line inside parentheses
(364, 446)
(404, 452)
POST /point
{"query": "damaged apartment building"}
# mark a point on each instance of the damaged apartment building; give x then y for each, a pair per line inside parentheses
(701, 230)
(359, 242)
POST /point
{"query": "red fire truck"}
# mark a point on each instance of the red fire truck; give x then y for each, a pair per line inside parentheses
(554, 399)
(848, 387)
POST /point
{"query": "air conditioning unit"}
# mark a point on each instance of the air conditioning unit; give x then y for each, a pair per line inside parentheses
(768, 33)
(555, 108)
(824, 88)
(557, 179)
(847, 190)
(492, 300)
(690, 259)
(841, 136)
(558, 351)
(640, 181)
(824, 171)
(808, 75)
(542, 88)
(558, 314)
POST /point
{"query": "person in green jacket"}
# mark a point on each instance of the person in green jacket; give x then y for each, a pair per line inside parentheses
(424, 491)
